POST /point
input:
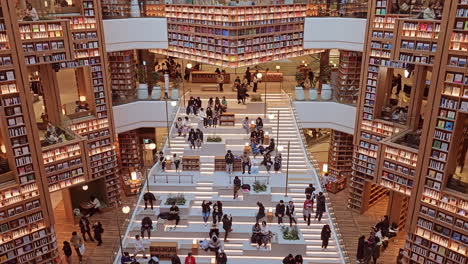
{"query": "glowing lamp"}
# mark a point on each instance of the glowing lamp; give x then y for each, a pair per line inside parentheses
(3, 148)
(126, 209)
(85, 187)
(189, 65)
(325, 167)
(280, 148)
(259, 75)
(305, 65)
(246, 144)
(278, 67)
(82, 98)
(271, 116)
(173, 103)
(134, 175)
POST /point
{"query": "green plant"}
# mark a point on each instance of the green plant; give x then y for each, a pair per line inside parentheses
(255, 98)
(214, 139)
(178, 199)
(290, 233)
(259, 187)
(141, 74)
(300, 77)
(325, 74)
(155, 77)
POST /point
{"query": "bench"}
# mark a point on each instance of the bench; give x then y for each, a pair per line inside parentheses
(210, 87)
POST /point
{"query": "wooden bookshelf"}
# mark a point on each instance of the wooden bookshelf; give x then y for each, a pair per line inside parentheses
(130, 159)
(355, 8)
(191, 163)
(123, 73)
(236, 36)
(155, 9)
(208, 77)
(115, 8)
(227, 119)
(220, 164)
(349, 71)
(164, 250)
(340, 154)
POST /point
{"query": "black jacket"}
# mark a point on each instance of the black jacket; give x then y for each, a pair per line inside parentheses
(175, 259)
(147, 222)
(321, 203)
(280, 209)
(206, 207)
(84, 225)
(290, 210)
(67, 250)
(227, 223)
(222, 259)
(286, 260)
(229, 158)
(149, 197)
(237, 182)
(325, 235)
(199, 134)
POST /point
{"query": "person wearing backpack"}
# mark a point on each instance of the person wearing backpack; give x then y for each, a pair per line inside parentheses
(237, 186)
(98, 230)
(229, 159)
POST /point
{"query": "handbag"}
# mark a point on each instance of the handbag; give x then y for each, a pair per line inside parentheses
(82, 249)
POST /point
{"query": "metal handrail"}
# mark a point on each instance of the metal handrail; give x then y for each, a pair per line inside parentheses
(250, 176)
(115, 256)
(172, 175)
(334, 224)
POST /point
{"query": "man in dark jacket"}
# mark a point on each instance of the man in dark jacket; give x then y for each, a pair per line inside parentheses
(222, 258)
(237, 186)
(320, 206)
(280, 209)
(289, 259)
(309, 190)
(84, 228)
(149, 198)
(229, 159)
(146, 225)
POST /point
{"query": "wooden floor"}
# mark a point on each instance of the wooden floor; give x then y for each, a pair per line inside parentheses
(353, 225)
(108, 218)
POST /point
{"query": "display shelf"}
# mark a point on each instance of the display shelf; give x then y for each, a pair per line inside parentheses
(123, 73)
(130, 161)
(349, 71)
(355, 8)
(155, 10)
(164, 250)
(191, 163)
(340, 155)
(115, 8)
(227, 119)
(208, 77)
(220, 164)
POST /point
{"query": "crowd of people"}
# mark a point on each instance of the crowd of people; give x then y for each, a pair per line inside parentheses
(77, 241)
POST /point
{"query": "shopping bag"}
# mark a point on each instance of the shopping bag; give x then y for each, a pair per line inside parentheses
(82, 249)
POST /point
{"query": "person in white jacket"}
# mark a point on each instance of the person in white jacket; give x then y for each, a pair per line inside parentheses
(139, 247)
(202, 116)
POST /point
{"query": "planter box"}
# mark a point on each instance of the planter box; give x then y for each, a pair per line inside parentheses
(313, 94)
(156, 93)
(142, 91)
(299, 93)
(175, 94)
(283, 241)
(326, 92)
(164, 197)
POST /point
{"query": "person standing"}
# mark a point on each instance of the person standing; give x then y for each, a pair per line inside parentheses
(84, 228)
(299, 259)
(162, 161)
(217, 212)
(67, 251)
(361, 249)
(248, 75)
(320, 206)
(149, 198)
(179, 126)
(222, 258)
(174, 215)
(139, 247)
(199, 138)
(243, 93)
(255, 82)
(227, 226)
(98, 230)
(376, 249)
(278, 160)
(245, 162)
(192, 137)
(237, 186)
(176, 160)
(220, 80)
(206, 211)
(190, 259)
(261, 212)
(175, 259)
(229, 159)
(77, 243)
(325, 236)
(185, 126)
(280, 209)
(308, 209)
(187, 73)
(146, 225)
(290, 213)
(309, 191)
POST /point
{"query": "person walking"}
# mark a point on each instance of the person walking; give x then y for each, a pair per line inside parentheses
(308, 209)
(185, 126)
(376, 249)
(237, 186)
(310, 191)
(175, 259)
(278, 160)
(229, 159)
(139, 247)
(242, 93)
(261, 212)
(222, 258)
(98, 230)
(190, 259)
(206, 211)
(255, 82)
(146, 225)
(220, 80)
(176, 160)
(67, 252)
(325, 236)
(84, 228)
(179, 126)
(290, 213)
(162, 161)
(217, 212)
(149, 198)
(360, 249)
(246, 125)
(192, 137)
(227, 226)
(280, 209)
(199, 140)
(245, 162)
(299, 259)
(77, 243)
(289, 259)
(320, 206)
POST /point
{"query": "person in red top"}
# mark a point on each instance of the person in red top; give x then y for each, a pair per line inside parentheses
(190, 259)
(308, 209)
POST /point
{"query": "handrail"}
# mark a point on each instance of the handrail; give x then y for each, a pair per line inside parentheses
(315, 167)
(250, 176)
(115, 257)
(172, 175)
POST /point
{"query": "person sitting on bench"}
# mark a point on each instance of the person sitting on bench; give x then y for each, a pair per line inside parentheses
(174, 215)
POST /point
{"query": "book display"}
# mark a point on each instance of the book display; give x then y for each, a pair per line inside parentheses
(115, 8)
(349, 71)
(208, 77)
(191, 163)
(355, 8)
(340, 155)
(227, 119)
(164, 250)
(155, 9)
(130, 160)
(26, 231)
(236, 36)
(123, 73)
(220, 164)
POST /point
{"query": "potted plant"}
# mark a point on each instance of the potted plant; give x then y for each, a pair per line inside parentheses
(142, 91)
(300, 77)
(155, 90)
(178, 199)
(290, 233)
(259, 187)
(175, 88)
(214, 139)
(325, 76)
(255, 98)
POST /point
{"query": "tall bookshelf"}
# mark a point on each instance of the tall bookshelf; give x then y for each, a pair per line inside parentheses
(340, 154)
(27, 232)
(123, 73)
(115, 8)
(131, 154)
(349, 71)
(236, 36)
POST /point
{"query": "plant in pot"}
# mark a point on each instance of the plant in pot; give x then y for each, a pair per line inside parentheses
(178, 199)
(300, 77)
(175, 88)
(214, 139)
(154, 89)
(259, 187)
(325, 78)
(290, 233)
(142, 92)
(255, 98)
